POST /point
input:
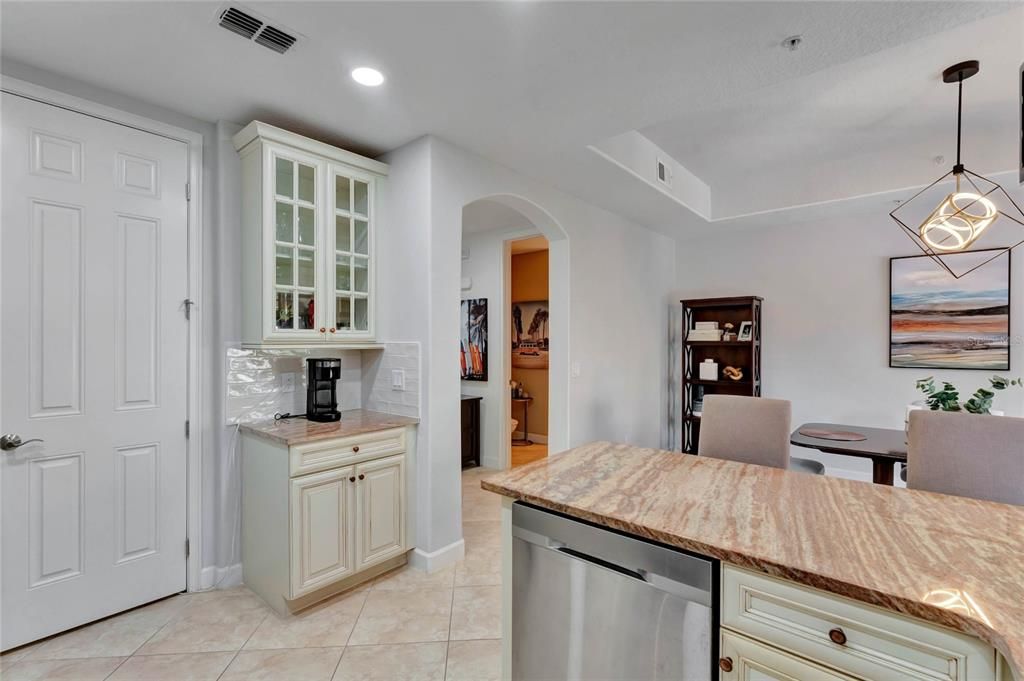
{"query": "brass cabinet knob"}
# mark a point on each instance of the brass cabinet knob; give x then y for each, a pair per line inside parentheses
(323, 329)
(838, 636)
(352, 479)
(355, 450)
(362, 477)
(334, 330)
(725, 664)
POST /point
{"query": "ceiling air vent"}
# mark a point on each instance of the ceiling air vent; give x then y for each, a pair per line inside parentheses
(239, 22)
(278, 41)
(251, 27)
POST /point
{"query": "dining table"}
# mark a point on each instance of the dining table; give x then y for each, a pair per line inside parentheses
(884, 446)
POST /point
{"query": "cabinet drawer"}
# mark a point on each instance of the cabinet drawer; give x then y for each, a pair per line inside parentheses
(319, 456)
(742, 659)
(874, 644)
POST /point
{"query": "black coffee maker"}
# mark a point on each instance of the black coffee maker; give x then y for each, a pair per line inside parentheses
(322, 374)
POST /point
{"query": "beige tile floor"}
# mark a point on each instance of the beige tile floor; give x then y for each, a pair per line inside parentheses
(405, 625)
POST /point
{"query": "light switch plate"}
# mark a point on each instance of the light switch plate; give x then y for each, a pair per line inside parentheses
(398, 379)
(576, 370)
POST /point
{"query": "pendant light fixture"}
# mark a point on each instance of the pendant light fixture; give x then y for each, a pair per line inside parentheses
(967, 213)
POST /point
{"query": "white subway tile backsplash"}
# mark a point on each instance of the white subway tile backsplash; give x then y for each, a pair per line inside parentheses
(254, 381)
(377, 390)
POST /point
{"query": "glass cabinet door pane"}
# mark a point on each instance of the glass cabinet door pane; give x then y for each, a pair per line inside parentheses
(283, 310)
(307, 183)
(285, 223)
(360, 274)
(362, 237)
(285, 177)
(285, 267)
(305, 312)
(342, 193)
(362, 201)
(343, 313)
(361, 321)
(342, 273)
(307, 226)
(307, 267)
(342, 234)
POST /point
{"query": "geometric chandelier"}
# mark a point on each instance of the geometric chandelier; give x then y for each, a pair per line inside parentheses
(974, 215)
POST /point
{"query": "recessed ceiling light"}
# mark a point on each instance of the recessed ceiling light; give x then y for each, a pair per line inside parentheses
(364, 75)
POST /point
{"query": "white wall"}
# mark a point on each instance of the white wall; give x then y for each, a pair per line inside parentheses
(618, 282)
(826, 317)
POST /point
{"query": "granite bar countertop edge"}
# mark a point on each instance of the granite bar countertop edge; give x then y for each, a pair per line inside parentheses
(822, 532)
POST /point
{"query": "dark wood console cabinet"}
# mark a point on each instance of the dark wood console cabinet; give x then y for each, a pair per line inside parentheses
(470, 431)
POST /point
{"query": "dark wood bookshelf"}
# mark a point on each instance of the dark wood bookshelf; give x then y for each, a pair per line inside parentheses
(743, 354)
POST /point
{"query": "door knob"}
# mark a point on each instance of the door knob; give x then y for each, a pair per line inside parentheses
(725, 664)
(10, 441)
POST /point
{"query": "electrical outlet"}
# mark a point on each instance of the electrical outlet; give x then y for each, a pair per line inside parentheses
(288, 383)
(398, 379)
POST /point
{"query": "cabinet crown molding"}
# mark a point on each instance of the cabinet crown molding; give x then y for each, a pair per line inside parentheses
(260, 130)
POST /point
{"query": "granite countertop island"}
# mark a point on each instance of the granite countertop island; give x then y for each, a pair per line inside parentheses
(903, 550)
(297, 431)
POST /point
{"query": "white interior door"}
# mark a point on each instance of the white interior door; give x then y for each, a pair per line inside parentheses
(94, 364)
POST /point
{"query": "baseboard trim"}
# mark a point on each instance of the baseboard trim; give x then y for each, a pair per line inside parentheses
(440, 559)
(213, 577)
(535, 437)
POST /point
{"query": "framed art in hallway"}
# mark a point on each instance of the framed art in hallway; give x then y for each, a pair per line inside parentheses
(473, 340)
(939, 322)
(530, 335)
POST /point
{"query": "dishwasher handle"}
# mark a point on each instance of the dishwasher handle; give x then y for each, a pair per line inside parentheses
(579, 555)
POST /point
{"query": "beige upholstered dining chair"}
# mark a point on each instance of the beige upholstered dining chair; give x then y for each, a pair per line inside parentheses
(750, 430)
(969, 455)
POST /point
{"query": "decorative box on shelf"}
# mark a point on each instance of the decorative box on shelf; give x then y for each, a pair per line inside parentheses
(709, 370)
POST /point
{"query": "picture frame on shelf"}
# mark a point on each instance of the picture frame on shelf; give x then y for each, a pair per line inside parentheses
(746, 332)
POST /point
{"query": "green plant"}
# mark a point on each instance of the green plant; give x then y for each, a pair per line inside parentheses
(947, 398)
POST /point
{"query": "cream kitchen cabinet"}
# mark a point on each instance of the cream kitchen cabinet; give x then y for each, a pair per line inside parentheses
(743, 659)
(307, 535)
(781, 625)
(308, 225)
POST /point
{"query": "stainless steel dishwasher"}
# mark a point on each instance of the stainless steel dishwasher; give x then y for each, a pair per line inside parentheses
(590, 604)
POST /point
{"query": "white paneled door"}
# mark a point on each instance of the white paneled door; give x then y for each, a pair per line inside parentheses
(94, 365)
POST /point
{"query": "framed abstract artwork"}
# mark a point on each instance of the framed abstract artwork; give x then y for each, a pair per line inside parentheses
(939, 322)
(473, 339)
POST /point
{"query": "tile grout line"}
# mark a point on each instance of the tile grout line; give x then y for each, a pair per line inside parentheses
(348, 638)
(242, 647)
(150, 638)
(448, 643)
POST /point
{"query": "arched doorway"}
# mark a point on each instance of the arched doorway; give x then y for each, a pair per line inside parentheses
(491, 225)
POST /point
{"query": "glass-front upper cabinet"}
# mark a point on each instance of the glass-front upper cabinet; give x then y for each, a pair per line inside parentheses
(352, 268)
(296, 246)
(308, 214)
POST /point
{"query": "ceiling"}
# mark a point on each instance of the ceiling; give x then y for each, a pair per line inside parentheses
(530, 85)
(875, 124)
